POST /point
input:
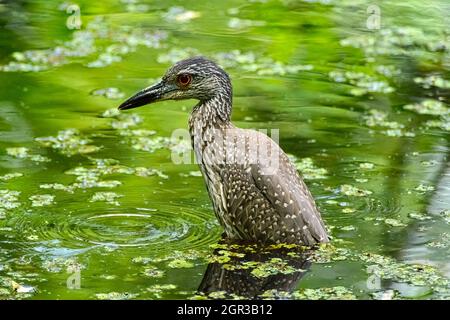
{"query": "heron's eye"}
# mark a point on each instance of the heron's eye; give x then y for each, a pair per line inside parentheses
(184, 80)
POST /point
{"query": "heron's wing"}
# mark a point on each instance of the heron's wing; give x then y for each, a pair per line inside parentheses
(285, 190)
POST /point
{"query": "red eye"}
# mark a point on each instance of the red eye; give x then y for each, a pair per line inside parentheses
(184, 80)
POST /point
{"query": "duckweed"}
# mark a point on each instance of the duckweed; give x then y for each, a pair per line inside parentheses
(109, 93)
(180, 15)
(9, 199)
(364, 83)
(433, 81)
(23, 153)
(308, 169)
(180, 263)
(429, 106)
(41, 200)
(109, 197)
(69, 142)
(366, 165)
(334, 293)
(153, 272)
(350, 190)
(116, 296)
(10, 176)
(394, 222)
(424, 188)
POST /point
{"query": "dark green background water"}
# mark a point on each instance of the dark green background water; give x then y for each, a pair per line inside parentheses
(335, 89)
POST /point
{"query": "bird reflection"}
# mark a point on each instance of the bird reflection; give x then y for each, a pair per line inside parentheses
(251, 272)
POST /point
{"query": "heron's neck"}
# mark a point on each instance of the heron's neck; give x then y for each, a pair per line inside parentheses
(213, 112)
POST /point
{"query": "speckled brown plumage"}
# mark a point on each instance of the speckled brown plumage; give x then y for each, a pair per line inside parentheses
(252, 199)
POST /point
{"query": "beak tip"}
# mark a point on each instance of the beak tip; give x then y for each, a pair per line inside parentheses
(124, 106)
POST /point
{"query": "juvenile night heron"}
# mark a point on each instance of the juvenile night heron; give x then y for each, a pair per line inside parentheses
(256, 192)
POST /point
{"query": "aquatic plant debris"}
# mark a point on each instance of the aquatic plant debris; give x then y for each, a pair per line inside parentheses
(350, 190)
(237, 23)
(386, 267)
(366, 165)
(69, 142)
(96, 38)
(394, 222)
(378, 118)
(23, 153)
(424, 188)
(364, 83)
(116, 296)
(109, 197)
(430, 107)
(433, 81)
(10, 176)
(308, 169)
(180, 15)
(109, 93)
(180, 263)
(41, 200)
(242, 61)
(9, 199)
(334, 293)
(153, 272)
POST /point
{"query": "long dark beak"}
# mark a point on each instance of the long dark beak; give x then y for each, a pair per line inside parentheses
(143, 97)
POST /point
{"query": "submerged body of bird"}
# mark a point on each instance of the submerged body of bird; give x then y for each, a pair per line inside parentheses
(256, 192)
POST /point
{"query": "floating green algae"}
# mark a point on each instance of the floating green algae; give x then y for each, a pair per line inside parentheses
(350, 190)
(153, 272)
(272, 267)
(443, 124)
(366, 165)
(42, 200)
(62, 264)
(158, 289)
(10, 176)
(180, 263)
(9, 199)
(23, 153)
(308, 169)
(109, 93)
(442, 242)
(243, 61)
(446, 215)
(433, 81)
(429, 106)
(96, 41)
(377, 118)
(394, 222)
(424, 188)
(180, 15)
(364, 83)
(419, 216)
(237, 23)
(109, 197)
(69, 142)
(115, 296)
(334, 293)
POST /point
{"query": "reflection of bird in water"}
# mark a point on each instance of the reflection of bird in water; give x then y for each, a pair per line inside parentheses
(256, 191)
(250, 274)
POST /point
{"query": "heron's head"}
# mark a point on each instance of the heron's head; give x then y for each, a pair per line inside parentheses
(193, 78)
